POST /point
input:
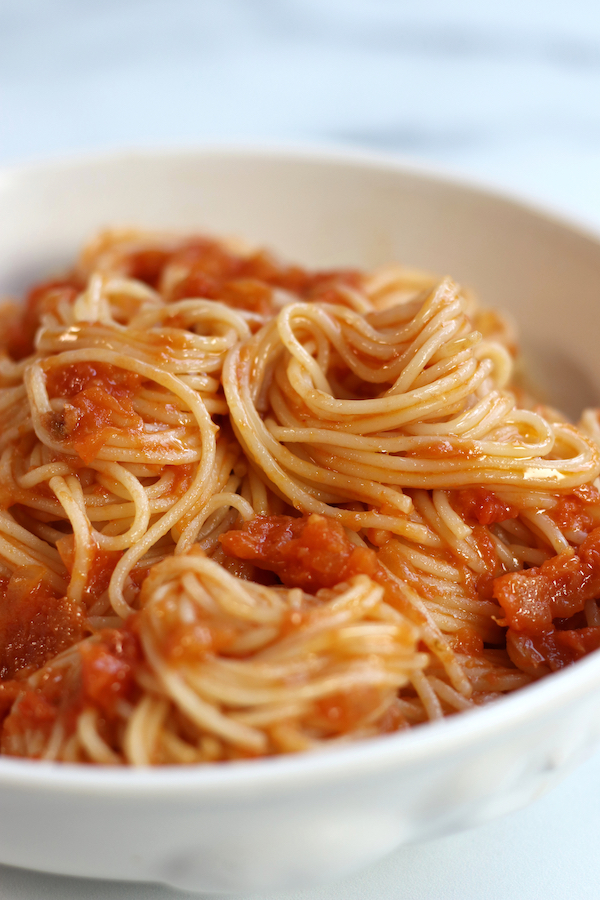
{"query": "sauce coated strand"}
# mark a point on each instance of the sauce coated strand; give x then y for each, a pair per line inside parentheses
(102, 565)
(310, 552)
(578, 510)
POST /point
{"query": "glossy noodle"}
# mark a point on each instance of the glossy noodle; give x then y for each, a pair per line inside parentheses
(247, 509)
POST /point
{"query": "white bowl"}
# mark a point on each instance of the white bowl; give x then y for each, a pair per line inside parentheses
(285, 822)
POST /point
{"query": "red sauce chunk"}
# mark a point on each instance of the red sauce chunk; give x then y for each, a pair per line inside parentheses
(104, 679)
(35, 624)
(542, 602)
(108, 669)
(468, 642)
(551, 650)
(146, 265)
(342, 712)
(560, 587)
(41, 299)
(204, 268)
(310, 552)
(98, 403)
(247, 293)
(100, 571)
(480, 505)
(31, 718)
(577, 511)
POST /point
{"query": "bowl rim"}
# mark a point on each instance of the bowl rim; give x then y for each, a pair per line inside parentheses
(445, 737)
(306, 152)
(415, 746)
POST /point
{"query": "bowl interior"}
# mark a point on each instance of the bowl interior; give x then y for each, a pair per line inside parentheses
(327, 210)
(322, 210)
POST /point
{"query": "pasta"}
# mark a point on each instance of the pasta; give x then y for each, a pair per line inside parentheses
(247, 509)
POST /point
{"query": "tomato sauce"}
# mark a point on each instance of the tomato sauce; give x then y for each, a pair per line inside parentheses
(32, 715)
(146, 265)
(310, 552)
(104, 678)
(482, 506)
(551, 649)
(100, 571)
(443, 449)
(99, 402)
(204, 268)
(108, 668)
(560, 587)
(35, 624)
(342, 712)
(468, 642)
(41, 299)
(577, 511)
(543, 604)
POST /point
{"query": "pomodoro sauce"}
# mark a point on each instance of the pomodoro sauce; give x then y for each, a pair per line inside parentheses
(542, 606)
(311, 552)
(98, 401)
(206, 269)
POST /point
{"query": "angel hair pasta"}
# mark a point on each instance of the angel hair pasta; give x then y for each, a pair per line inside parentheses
(248, 509)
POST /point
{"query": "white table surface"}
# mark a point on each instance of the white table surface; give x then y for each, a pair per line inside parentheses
(505, 93)
(548, 851)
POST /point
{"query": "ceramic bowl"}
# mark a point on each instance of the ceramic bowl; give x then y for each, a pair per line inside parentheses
(285, 822)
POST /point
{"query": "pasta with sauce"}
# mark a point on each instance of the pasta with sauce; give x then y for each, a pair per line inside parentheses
(247, 509)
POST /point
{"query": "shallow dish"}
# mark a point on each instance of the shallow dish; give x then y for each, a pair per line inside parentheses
(280, 823)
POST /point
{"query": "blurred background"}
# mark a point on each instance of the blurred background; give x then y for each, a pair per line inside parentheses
(505, 92)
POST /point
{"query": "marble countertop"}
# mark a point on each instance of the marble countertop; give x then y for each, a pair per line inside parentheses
(504, 93)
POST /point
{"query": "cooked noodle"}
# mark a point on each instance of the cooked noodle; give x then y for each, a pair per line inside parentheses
(246, 509)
